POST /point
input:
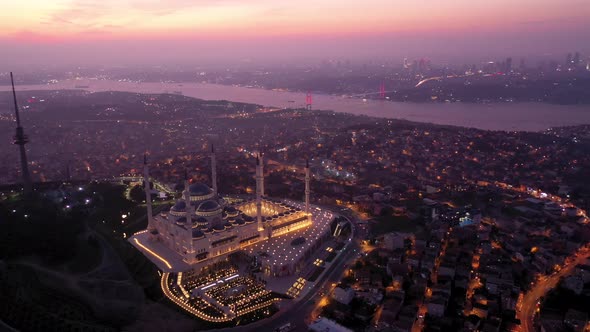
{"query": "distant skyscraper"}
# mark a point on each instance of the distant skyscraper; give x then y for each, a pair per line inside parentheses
(568, 60)
(421, 65)
(21, 139)
(68, 174)
(576, 59)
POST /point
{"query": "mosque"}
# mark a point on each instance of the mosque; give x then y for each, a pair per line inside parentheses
(202, 227)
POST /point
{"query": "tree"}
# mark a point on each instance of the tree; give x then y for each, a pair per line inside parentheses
(137, 194)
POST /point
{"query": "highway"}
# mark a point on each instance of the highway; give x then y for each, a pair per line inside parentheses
(543, 286)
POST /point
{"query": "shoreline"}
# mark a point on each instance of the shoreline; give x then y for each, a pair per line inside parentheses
(508, 116)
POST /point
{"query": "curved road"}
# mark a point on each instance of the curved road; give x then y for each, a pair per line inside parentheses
(543, 286)
(300, 310)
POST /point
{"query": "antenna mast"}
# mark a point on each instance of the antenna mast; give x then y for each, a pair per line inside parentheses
(21, 139)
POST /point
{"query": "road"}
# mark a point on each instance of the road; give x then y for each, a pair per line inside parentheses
(300, 311)
(297, 315)
(543, 286)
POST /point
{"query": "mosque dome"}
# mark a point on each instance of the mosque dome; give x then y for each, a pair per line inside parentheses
(199, 189)
(232, 211)
(180, 206)
(208, 206)
(181, 221)
(200, 222)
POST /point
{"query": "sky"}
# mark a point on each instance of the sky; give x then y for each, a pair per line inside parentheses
(121, 32)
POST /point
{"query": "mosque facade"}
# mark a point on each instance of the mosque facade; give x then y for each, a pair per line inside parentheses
(203, 227)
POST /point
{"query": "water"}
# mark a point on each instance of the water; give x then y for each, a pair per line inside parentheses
(497, 116)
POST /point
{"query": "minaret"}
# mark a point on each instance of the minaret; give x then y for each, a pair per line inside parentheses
(213, 170)
(189, 255)
(261, 175)
(21, 139)
(187, 202)
(68, 175)
(259, 195)
(307, 190)
(148, 194)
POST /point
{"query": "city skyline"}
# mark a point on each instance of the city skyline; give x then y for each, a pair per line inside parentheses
(84, 32)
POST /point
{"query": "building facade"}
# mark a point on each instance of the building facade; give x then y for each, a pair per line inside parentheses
(203, 227)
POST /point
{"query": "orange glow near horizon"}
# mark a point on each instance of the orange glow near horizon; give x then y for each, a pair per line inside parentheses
(81, 20)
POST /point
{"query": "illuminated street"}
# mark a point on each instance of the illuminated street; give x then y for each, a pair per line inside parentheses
(543, 286)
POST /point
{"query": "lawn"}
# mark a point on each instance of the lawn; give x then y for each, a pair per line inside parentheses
(88, 256)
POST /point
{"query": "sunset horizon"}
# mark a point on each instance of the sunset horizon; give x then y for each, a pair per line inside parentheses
(374, 28)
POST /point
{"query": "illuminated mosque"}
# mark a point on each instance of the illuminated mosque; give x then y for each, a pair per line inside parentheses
(202, 227)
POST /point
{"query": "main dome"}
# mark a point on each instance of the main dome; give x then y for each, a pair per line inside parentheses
(180, 206)
(208, 206)
(199, 189)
